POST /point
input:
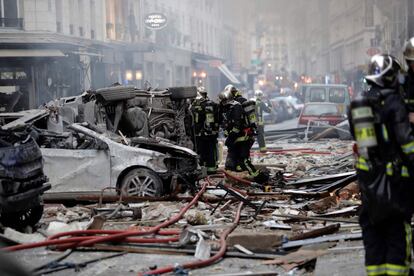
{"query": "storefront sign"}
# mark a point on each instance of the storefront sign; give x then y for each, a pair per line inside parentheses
(155, 21)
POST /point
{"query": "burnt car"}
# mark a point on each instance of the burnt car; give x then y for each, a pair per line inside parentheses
(131, 112)
(22, 181)
(86, 159)
(137, 141)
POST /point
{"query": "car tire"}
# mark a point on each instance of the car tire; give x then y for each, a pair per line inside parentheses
(22, 219)
(141, 182)
(179, 93)
(116, 93)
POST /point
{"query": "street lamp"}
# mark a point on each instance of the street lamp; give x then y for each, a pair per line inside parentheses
(138, 75)
(128, 75)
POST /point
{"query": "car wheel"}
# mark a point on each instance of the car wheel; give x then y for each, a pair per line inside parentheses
(21, 219)
(142, 182)
(116, 93)
(180, 93)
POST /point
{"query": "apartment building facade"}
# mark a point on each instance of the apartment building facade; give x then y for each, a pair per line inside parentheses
(57, 48)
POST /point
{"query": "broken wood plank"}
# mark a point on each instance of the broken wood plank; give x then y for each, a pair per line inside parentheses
(330, 229)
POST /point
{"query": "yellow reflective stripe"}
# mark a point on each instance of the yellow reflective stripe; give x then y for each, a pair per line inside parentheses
(408, 241)
(209, 118)
(374, 270)
(385, 133)
(243, 138)
(409, 101)
(235, 129)
(362, 164)
(408, 148)
(404, 172)
(389, 269)
(393, 269)
(389, 169)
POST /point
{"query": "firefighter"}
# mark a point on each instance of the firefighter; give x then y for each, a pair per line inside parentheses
(260, 107)
(385, 154)
(408, 82)
(246, 139)
(231, 120)
(237, 95)
(206, 125)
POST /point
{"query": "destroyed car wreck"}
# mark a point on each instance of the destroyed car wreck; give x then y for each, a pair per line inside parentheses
(22, 180)
(132, 140)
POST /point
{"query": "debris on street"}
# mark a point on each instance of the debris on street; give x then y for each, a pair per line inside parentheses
(307, 208)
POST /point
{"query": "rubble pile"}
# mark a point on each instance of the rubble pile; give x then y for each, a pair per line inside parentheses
(285, 226)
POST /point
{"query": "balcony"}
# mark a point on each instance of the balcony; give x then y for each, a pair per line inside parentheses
(14, 23)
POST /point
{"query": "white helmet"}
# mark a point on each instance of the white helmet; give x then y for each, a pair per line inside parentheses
(230, 87)
(258, 94)
(202, 91)
(408, 49)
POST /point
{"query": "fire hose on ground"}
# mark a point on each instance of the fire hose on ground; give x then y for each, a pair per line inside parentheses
(211, 260)
(87, 238)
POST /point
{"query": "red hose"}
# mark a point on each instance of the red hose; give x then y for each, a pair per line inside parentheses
(238, 179)
(112, 237)
(105, 232)
(70, 242)
(153, 230)
(201, 263)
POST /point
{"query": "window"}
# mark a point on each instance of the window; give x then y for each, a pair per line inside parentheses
(320, 109)
(59, 27)
(317, 94)
(369, 13)
(9, 14)
(337, 95)
(58, 7)
(7, 75)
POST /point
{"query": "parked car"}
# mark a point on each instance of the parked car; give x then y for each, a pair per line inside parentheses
(283, 109)
(331, 93)
(319, 116)
(295, 102)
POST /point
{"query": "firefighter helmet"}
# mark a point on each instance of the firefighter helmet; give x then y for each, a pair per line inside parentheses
(258, 94)
(231, 88)
(202, 91)
(383, 70)
(408, 50)
(225, 96)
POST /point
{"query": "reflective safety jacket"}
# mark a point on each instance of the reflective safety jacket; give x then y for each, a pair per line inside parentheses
(408, 90)
(205, 114)
(381, 176)
(260, 107)
(233, 122)
(239, 98)
(394, 154)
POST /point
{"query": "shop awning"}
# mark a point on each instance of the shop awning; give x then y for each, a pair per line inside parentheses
(223, 68)
(31, 53)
